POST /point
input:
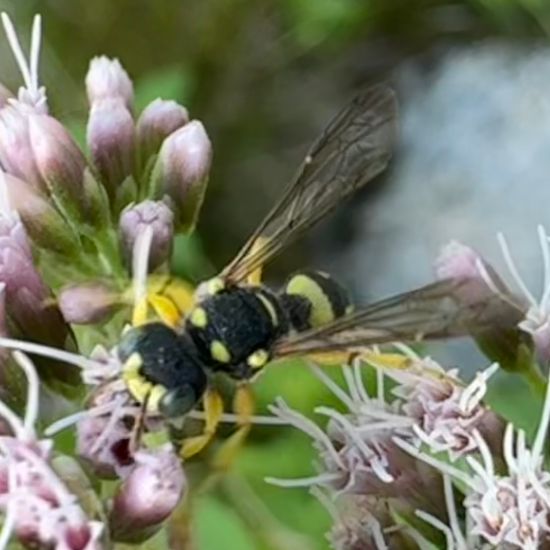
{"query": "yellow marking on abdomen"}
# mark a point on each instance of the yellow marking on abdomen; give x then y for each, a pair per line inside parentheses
(321, 307)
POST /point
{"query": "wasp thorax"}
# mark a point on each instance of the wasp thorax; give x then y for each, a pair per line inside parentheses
(234, 329)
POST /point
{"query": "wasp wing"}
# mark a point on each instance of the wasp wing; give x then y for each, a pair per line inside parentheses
(353, 149)
(431, 312)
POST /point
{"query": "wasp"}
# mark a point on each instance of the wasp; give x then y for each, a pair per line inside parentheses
(237, 325)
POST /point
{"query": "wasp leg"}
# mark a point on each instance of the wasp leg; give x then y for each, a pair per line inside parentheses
(243, 405)
(165, 309)
(139, 426)
(169, 298)
(213, 410)
(387, 360)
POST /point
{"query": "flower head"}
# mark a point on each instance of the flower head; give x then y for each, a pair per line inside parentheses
(36, 503)
(506, 509)
(359, 459)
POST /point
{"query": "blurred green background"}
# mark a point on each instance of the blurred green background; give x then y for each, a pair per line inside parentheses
(263, 76)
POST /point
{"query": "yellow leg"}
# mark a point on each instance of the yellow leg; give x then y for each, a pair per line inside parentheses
(169, 298)
(213, 410)
(165, 309)
(388, 360)
(139, 313)
(243, 405)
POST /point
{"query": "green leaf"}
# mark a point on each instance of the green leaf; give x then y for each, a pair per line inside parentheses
(218, 526)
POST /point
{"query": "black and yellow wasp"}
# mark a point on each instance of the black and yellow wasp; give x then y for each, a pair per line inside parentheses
(237, 325)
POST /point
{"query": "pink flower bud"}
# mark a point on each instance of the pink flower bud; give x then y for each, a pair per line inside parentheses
(479, 287)
(181, 171)
(59, 161)
(43, 222)
(148, 496)
(157, 121)
(87, 303)
(148, 213)
(28, 299)
(106, 79)
(16, 155)
(110, 137)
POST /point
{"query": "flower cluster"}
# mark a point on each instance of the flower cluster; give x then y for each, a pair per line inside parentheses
(37, 504)
(365, 461)
(82, 215)
(74, 227)
(84, 235)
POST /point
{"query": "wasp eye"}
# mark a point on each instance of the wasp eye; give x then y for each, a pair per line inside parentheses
(178, 401)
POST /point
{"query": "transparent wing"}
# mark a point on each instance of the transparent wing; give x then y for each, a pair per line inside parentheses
(431, 312)
(353, 149)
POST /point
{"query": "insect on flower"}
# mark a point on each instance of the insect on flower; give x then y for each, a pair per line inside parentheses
(237, 325)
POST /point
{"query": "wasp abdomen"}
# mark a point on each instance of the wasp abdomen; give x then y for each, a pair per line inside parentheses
(313, 299)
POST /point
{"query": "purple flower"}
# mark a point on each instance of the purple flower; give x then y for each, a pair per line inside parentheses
(157, 121)
(149, 494)
(495, 327)
(38, 507)
(107, 79)
(45, 225)
(181, 171)
(60, 162)
(507, 509)
(87, 303)
(111, 140)
(160, 218)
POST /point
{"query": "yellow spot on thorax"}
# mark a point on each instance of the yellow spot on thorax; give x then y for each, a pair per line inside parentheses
(198, 317)
(215, 285)
(258, 359)
(219, 351)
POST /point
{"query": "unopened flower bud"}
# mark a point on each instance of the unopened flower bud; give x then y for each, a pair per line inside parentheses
(181, 171)
(43, 222)
(157, 121)
(87, 303)
(148, 495)
(133, 221)
(110, 136)
(479, 287)
(16, 155)
(28, 299)
(59, 161)
(106, 79)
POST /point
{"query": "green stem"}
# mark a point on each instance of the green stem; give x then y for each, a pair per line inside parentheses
(536, 380)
